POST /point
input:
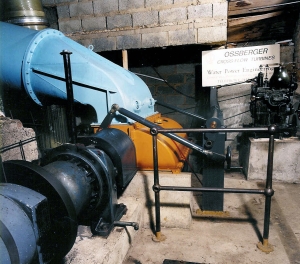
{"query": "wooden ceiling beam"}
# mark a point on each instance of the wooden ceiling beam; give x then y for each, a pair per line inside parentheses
(248, 19)
(248, 7)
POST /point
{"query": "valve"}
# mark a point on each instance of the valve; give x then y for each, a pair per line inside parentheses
(135, 225)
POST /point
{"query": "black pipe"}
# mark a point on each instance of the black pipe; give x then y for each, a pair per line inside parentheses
(211, 189)
(154, 128)
(180, 110)
(124, 224)
(155, 187)
(213, 130)
(270, 191)
(15, 145)
(22, 150)
(70, 96)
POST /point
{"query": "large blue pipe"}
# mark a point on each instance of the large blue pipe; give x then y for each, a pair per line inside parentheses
(31, 60)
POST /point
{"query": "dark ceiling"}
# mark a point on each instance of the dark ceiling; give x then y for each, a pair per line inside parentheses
(257, 20)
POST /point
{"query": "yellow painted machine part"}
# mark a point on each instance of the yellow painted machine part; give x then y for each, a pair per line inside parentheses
(171, 154)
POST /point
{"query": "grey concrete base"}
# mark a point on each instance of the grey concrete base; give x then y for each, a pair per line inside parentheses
(286, 159)
(175, 205)
(232, 239)
(111, 250)
(139, 199)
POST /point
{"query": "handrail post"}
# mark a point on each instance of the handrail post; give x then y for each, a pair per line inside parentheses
(156, 188)
(269, 192)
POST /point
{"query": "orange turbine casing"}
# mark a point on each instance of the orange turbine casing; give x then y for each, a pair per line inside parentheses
(171, 154)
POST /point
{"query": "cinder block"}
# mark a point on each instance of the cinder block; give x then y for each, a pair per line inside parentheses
(65, 1)
(184, 121)
(179, 99)
(48, 2)
(163, 90)
(180, 37)
(172, 15)
(94, 23)
(81, 8)
(70, 26)
(175, 78)
(129, 42)
(220, 10)
(101, 7)
(151, 3)
(166, 69)
(187, 88)
(145, 70)
(212, 35)
(104, 44)
(130, 4)
(85, 42)
(186, 68)
(286, 164)
(184, 1)
(234, 100)
(200, 11)
(145, 18)
(154, 40)
(63, 11)
(119, 21)
(51, 14)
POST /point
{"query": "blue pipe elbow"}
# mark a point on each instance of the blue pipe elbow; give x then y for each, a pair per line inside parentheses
(31, 60)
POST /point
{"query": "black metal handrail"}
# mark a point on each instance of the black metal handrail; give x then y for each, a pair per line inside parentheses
(20, 145)
(267, 191)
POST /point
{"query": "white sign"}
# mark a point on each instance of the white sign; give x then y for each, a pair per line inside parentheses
(220, 67)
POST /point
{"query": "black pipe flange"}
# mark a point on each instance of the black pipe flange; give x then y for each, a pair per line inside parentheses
(61, 208)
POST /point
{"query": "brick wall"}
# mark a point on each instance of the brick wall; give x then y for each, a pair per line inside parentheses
(128, 24)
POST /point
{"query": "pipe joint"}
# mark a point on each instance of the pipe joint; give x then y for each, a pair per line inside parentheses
(272, 129)
(153, 131)
(269, 192)
(156, 188)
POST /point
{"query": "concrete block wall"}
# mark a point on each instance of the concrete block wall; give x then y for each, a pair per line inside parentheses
(284, 169)
(233, 100)
(129, 24)
(181, 77)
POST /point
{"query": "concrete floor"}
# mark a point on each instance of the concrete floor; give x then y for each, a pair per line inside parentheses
(231, 238)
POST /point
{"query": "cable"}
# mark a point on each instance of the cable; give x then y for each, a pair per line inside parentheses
(176, 111)
(192, 97)
(237, 114)
(234, 97)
